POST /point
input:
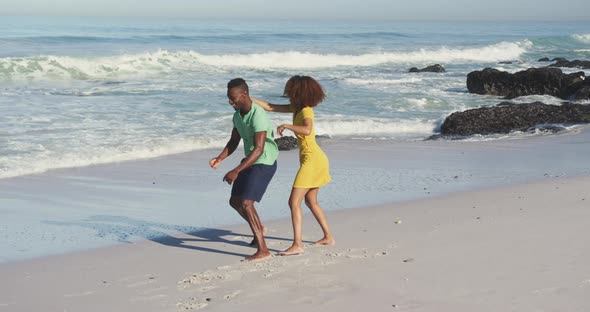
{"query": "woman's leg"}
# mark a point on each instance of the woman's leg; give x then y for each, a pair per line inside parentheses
(311, 200)
(297, 195)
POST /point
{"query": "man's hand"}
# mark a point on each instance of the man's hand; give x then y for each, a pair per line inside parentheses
(215, 162)
(231, 176)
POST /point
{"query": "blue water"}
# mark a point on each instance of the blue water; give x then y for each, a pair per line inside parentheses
(81, 91)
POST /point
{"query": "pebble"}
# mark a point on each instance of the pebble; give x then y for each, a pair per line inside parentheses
(408, 260)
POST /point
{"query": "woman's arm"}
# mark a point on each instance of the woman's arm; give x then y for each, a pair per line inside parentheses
(305, 129)
(279, 108)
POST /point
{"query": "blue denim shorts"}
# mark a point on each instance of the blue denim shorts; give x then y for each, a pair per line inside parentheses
(253, 181)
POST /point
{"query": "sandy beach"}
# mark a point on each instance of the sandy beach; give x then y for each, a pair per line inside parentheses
(431, 226)
(458, 145)
(520, 248)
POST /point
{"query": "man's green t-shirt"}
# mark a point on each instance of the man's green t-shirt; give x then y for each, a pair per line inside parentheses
(256, 120)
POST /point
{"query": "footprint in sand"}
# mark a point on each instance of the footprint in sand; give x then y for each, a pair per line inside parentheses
(232, 295)
(208, 276)
(187, 306)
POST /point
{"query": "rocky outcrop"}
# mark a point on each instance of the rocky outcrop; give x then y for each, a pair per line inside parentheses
(509, 62)
(507, 117)
(547, 80)
(561, 62)
(287, 143)
(436, 68)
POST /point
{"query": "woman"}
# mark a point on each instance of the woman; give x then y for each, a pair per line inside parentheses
(304, 93)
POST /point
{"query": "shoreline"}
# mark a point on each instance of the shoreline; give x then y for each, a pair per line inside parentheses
(409, 255)
(83, 208)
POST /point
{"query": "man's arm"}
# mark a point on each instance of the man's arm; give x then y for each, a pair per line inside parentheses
(230, 147)
(259, 139)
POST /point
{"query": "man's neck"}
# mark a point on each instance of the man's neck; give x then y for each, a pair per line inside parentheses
(246, 109)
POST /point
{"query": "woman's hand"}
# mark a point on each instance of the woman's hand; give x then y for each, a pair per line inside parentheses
(281, 128)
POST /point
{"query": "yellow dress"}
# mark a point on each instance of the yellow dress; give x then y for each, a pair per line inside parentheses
(315, 167)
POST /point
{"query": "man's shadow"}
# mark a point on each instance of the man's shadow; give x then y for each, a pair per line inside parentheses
(124, 228)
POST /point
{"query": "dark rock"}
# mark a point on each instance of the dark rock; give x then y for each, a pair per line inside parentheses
(506, 117)
(581, 93)
(436, 68)
(287, 143)
(543, 59)
(571, 64)
(510, 62)
(558, 59)
(549, 81)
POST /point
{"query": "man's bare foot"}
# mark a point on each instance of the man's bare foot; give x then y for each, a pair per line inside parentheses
(291, 251)
(254, 243)
(259, 256)
(325, 241)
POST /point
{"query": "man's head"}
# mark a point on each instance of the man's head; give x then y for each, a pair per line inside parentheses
(237, 93)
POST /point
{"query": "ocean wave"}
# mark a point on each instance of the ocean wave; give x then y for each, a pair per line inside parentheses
(381, 81)
(339, 125)
(166, 62)
(303, 60)
(24, 165)
(96, 68)
(585, 38)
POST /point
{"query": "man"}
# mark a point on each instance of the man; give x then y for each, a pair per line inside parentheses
(251, 177)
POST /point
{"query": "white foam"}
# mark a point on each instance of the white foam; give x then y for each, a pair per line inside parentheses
(339, 125)
(418, 102)
(293, 59)
(47, 160)
(368, 82)
(165, 62)
(585, 38)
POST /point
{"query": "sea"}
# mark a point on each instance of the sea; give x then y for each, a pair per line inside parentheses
(92, 94)
(83, 91)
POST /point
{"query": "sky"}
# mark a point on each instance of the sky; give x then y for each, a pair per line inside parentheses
(436, 10)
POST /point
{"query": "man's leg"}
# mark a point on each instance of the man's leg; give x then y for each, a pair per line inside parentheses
(257, 230)
(236, 203)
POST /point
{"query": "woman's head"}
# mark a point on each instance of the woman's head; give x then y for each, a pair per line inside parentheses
(304, 91)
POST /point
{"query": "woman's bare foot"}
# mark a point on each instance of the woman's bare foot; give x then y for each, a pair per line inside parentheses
(291, 251)
(259, 256)
(325, 241)
(254, 243)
